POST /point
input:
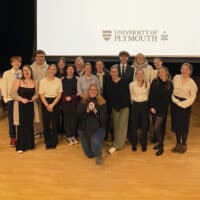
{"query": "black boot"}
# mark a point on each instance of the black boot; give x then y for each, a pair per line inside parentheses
(160, 151)
(156, 147)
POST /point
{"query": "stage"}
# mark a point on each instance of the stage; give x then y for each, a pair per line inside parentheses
(65, 173)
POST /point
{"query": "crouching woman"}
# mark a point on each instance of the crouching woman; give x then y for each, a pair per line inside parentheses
(91, 123)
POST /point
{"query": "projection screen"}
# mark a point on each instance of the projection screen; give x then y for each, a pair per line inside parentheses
(105, 27)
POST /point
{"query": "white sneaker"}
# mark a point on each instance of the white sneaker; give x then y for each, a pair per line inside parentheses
(20, 151)
(70, 141)
(112, 150)
(74, 140)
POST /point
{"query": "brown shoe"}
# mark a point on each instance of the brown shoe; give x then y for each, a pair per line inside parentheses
(176, 148)
(183, 148)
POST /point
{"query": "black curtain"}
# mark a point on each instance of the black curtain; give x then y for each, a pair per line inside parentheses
(17, 30)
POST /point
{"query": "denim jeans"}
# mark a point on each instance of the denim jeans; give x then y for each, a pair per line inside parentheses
(92, 148)
(12, 131)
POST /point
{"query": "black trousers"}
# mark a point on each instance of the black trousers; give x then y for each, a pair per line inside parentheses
(60, 120)
(139, 120)
(70, 119)
(50, 124)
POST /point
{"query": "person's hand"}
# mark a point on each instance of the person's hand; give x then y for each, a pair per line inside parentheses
(95, 110)
(68, 98)
(84, 96)
(34, 98)
(24, 101)
(50, 108)
(153, 110)
(91, 106)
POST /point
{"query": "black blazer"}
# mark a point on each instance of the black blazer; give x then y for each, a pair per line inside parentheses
(129, 72)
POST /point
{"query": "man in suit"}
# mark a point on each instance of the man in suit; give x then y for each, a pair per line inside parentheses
(127, 73)
(125, 70)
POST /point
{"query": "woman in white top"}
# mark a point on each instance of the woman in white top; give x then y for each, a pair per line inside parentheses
(139, 91)
(184, 94)
(50, 91)
(140, 62)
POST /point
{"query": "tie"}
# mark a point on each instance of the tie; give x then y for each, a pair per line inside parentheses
(123, 70)
(16, 75)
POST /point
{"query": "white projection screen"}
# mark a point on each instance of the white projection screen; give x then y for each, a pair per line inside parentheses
(105, 27)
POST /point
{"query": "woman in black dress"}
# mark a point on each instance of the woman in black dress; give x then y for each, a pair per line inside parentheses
(25, 92)
(159, 99)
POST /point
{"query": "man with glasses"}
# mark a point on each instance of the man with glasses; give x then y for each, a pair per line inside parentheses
(39, 67)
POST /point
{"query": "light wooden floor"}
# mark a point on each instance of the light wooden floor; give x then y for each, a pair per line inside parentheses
(65, 173)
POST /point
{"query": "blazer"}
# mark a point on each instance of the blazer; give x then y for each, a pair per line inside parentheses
(129, 73)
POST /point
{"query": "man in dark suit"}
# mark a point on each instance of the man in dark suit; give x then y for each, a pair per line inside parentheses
(125, 70)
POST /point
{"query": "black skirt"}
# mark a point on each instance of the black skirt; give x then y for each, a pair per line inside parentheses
(180, 118)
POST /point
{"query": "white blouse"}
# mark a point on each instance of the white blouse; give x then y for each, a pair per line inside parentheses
(137, 93)
(147, 72)
(50, 88)
(186, 90)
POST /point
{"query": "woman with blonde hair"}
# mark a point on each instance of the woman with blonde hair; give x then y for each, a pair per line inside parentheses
(159, 99)
(184, 95)
(139, 92)
(91, 123)
(141, 63)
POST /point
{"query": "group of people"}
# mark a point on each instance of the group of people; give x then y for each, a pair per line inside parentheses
(91, 104)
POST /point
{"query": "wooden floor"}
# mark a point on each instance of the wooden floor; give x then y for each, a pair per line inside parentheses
(65, 173)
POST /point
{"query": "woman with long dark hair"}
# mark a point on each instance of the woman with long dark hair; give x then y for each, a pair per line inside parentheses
(91, 123)
(184, 94)
(69, 103)
(50, 91)
(25, 93)
(159, 99)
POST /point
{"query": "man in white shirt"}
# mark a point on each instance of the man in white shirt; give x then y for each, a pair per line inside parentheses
(9, 78)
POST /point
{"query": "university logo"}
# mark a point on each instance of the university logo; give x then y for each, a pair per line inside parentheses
(107, 34)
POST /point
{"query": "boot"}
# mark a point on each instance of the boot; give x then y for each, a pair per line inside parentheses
(183, 148)
(156, 147)
(159, 152)
(176, 148)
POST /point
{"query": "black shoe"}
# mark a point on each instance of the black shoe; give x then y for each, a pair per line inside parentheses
(156, 147)
(153, 140)
(134, 148)
(159, 152)
(144, 149)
